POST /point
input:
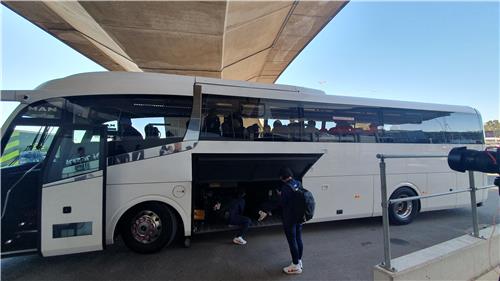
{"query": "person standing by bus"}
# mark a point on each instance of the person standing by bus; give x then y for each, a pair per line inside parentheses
(293, 230)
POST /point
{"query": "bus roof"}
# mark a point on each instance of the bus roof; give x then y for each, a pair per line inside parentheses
(104, 83)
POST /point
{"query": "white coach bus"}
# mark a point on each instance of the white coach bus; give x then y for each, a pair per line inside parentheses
(142, 155)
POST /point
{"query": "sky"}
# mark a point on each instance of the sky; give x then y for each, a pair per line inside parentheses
(439, 52)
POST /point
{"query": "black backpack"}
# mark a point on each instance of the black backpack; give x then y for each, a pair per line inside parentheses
(303, 204)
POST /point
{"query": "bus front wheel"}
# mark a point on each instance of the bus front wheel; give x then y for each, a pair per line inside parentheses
(148, 227)
(403, 212)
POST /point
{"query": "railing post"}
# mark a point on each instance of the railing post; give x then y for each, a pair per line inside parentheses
(385, 216)
(473, 204)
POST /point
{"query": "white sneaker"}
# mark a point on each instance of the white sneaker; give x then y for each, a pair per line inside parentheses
(239, 240)
(300, 264)
(293, 269)
(262, 215)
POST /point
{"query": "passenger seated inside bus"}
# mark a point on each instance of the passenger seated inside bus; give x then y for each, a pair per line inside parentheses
(211, 124)
(373, 132)
(238, 129)
(294, 129)
(227, 126)
(152, 133)
(127, 139)
(126, 130)
(153, 136)
(372, 129)
(232, 127)
(342, 128)
(343, 131)
(266, 134)
(253, 132)
(279, 131)
(310, 131)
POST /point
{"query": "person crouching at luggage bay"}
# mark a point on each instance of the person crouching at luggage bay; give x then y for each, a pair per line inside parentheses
(293, 230)
(232, 211)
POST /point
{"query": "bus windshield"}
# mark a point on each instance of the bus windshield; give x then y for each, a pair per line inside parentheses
(27, 144)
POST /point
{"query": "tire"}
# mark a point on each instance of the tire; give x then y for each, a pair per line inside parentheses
(149, 227)
(403, 212)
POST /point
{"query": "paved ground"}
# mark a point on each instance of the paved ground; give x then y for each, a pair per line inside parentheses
(344, 250)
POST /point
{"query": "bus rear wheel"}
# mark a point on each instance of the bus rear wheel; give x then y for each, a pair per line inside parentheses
(148, 227)
(403, 212)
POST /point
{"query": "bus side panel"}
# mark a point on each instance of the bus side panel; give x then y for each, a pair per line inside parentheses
(167, 168)
(78, 195)
(440, 183)
(166, 179)
(341, 197)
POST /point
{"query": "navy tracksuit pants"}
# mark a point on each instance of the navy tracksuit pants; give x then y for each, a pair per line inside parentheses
(243, 222)
(293, 234)
(236, 216)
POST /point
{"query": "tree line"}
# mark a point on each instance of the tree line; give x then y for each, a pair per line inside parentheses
(492, 126)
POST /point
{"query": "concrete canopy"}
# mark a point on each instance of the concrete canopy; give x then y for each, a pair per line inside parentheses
(239, 40)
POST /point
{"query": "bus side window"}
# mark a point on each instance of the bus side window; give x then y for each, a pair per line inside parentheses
(283, 119)
(78, 153)
(137, 122)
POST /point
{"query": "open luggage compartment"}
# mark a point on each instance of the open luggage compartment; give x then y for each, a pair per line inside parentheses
(218, 176)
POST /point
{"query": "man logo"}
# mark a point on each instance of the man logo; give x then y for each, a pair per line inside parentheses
(42, 109)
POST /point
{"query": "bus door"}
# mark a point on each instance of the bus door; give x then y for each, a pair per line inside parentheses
(73, 193)
(25, 148)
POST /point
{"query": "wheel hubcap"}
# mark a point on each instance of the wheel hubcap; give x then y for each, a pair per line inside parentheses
(146, 227)
(403, 209)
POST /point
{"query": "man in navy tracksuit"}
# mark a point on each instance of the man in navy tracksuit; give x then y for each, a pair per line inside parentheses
(293, 230)
(235, 208)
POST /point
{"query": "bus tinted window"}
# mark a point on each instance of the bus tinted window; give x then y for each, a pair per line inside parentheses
(419, 126)
(77, 153)
(413, 126)
(464, 128)
(238, 118)
(340, 123)
(284, 120)
(135, 122)
(230, 117)
(250, 119)
(344, 123)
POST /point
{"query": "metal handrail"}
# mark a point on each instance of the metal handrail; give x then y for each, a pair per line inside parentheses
(394, 156)
(405, 199)
(486, 187)
(385, 202)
